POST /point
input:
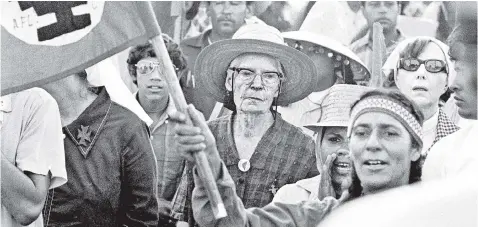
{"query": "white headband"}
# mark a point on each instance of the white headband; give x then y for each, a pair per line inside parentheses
(386, 105)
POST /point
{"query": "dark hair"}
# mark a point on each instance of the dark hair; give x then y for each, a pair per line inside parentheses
(463, 33)
(355, 189)
(399, 3)
(146, 50)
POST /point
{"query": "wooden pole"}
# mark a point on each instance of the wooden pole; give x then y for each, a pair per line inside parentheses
(378, 55)
(202, 164)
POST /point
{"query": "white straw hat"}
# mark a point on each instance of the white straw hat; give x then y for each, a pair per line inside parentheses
(336, 105)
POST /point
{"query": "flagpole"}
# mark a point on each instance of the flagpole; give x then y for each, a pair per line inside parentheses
(202, 164)
(378, 54)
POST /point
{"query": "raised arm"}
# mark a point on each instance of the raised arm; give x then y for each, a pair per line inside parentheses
(191, 139)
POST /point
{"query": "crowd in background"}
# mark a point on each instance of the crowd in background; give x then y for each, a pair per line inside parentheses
(283, 105)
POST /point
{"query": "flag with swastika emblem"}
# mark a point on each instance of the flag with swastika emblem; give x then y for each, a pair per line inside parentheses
(45, 41)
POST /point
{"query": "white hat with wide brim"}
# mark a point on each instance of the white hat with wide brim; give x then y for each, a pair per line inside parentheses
(337, 52)
(213, 61)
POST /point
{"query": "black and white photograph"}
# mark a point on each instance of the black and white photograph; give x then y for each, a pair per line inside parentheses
(239, 113)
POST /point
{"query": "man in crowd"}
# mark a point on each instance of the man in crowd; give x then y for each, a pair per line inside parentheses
(226, 18)
(386, 13)
(153, 96)
(252, 74)
(33, 157)
(456, 154)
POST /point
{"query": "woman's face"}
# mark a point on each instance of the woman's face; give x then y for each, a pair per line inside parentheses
(382, 151)
(334, 140)
(423, 87)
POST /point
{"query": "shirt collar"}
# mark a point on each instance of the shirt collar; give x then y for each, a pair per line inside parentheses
(165, 116)
(232, 157)
(200, 41)
(84, 131)
(367, 40)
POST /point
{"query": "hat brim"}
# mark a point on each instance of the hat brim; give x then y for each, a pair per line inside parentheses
(213, 61)
(317, 126)
(325, 42)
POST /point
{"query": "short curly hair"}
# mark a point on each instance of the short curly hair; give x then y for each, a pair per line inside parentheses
(146, 50)
(355, 189)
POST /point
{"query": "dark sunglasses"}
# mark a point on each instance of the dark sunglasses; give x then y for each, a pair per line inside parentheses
(431, 65)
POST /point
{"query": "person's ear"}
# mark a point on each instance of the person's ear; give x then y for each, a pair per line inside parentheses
(228, 82)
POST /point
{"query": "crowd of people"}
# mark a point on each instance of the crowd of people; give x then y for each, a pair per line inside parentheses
(289, 121)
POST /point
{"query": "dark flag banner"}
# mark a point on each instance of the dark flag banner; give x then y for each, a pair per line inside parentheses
(45, 41)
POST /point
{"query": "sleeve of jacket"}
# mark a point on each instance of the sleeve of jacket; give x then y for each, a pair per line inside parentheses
(139, 181)
(307, 213)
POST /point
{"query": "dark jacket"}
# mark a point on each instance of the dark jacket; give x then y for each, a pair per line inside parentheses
(112, 173)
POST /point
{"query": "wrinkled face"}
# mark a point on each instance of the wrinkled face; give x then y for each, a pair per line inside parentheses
(253, 90)
(334, 140)
(382, 151)
(464, 84)
(151, 85)
(421, 86)
(384, 12)
(227, 16)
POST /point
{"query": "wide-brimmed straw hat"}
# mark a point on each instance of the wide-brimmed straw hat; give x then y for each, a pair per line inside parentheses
(213, 61)
(336, 105)
(339, 54)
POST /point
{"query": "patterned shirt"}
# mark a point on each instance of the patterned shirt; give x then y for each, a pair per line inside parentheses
(284, 155)
(303, 213)
(170, 163)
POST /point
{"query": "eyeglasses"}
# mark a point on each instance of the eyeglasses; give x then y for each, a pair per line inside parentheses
(146, 67)
(248, 75)
(431, 65)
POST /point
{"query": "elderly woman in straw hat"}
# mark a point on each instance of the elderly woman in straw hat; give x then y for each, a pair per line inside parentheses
(336, 64)
(252, 74)
(384, 132)
(332, 148)
(420, 67)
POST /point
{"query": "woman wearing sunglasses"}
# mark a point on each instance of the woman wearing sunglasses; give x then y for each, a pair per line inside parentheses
(420, 68)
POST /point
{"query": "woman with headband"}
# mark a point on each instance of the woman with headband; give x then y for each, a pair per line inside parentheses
(385, 133)
(420, 67)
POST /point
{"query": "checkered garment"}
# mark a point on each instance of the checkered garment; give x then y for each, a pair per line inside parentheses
(445, 127)
(284, 155)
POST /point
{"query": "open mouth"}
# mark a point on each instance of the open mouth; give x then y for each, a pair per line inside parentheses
(374, 162)
(343, 167)
(154, 87)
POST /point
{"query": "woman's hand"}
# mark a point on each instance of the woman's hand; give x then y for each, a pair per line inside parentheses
(190, 139)
(326, 188)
